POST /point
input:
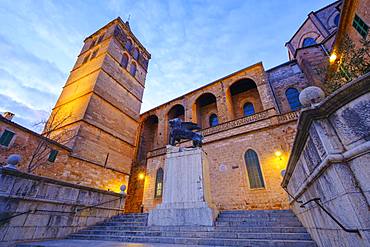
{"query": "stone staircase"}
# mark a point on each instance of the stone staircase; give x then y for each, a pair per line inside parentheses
(232, 228)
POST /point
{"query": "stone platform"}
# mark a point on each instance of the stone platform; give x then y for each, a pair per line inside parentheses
(186, 190)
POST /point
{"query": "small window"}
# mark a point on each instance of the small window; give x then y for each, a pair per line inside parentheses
(128, 45)
(53, 155)
(336, 20)
(86, 58)
(248, 109)
(133, 69)
(360, 26)
(100, 39)
(92, 44)
(93, 55)
(213, 120)
(124, 60)
(308, 42)
(254, 170)
(6, 138)
(135, 54)
(292, 96)
(159, 183)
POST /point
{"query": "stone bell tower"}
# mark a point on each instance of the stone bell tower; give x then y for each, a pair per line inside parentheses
(102, 97)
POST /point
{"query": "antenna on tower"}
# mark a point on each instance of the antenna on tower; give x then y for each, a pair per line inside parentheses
(128, 18)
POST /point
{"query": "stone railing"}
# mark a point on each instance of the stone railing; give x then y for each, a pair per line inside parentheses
(328, 171)
(35, 208)
(290, 116)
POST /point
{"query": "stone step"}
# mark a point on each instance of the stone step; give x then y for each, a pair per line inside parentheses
(125, 223)
(259, 223)
(259, 212)
(203, 228)
(252, 219)
(201, 234)
(128, 219)
(199, 241)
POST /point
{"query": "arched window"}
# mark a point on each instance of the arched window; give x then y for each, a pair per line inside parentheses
(292, 96)
(133, 69)
(308, 42)
(135, 54)
(128, 45)
(248, 109)
(336, 20)
(253, 169)
(213, 120)
(124, 60)
(159, 183)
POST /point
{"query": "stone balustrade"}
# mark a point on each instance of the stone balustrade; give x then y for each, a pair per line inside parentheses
(330, 161)
(34, 207)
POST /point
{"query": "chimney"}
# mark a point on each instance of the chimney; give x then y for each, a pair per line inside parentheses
(8, 115)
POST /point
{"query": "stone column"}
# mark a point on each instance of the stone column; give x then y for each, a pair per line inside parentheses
(186, 192)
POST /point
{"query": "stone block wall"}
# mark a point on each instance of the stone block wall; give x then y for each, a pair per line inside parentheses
(330, 161)
(46, 207)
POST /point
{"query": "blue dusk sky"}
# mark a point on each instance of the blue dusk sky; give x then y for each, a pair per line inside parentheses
(192, 43)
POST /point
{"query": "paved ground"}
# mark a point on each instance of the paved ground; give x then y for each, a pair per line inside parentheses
(93, 243)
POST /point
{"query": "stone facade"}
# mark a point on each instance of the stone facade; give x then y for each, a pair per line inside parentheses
(330, 162)
(35, 208)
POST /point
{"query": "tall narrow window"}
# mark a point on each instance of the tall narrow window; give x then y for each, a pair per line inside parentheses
(336, 20)
(213, 120)
(159, 183)
(248, 109)
(360, 26)
(128, 45)
(94, 53)
(254, 170)
(6, 138)
(292, 96)
(86, 58)
(124, 60)
(100, 39)
(133, 69)
(135, 54)
(308, 42)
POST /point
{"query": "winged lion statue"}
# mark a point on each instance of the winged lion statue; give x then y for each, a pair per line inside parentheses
(184, 130)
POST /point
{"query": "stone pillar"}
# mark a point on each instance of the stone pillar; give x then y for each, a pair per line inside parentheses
(186, 192)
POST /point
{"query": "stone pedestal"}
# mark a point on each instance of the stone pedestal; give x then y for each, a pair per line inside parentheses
(186, 191)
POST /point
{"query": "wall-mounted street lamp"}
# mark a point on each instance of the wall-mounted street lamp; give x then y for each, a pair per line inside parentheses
(141, 176)
(333, 58)
(278, 154)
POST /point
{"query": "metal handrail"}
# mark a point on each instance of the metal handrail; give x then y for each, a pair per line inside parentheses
(56, 211)
(316, 200)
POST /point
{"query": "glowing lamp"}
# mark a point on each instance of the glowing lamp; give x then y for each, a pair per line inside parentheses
(141, 176)
(278, 154)
(333, 58)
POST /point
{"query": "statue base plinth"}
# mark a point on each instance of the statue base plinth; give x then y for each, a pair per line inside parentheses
(186, 191)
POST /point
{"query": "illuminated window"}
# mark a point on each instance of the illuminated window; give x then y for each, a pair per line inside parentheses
(124, 60)
(53, 155)
(133, 69)
(248, 109)
(213, 120)
(253, 169)
(6, 138)
(135, 53)
(360, 26)
(292, 96)
(159, 183)
(308, 42)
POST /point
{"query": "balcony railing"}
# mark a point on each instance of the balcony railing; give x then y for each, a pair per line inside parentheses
(235, 124)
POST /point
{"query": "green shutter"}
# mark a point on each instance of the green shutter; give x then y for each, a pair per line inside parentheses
(53, 155)
(360, 26)
(6, 137)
